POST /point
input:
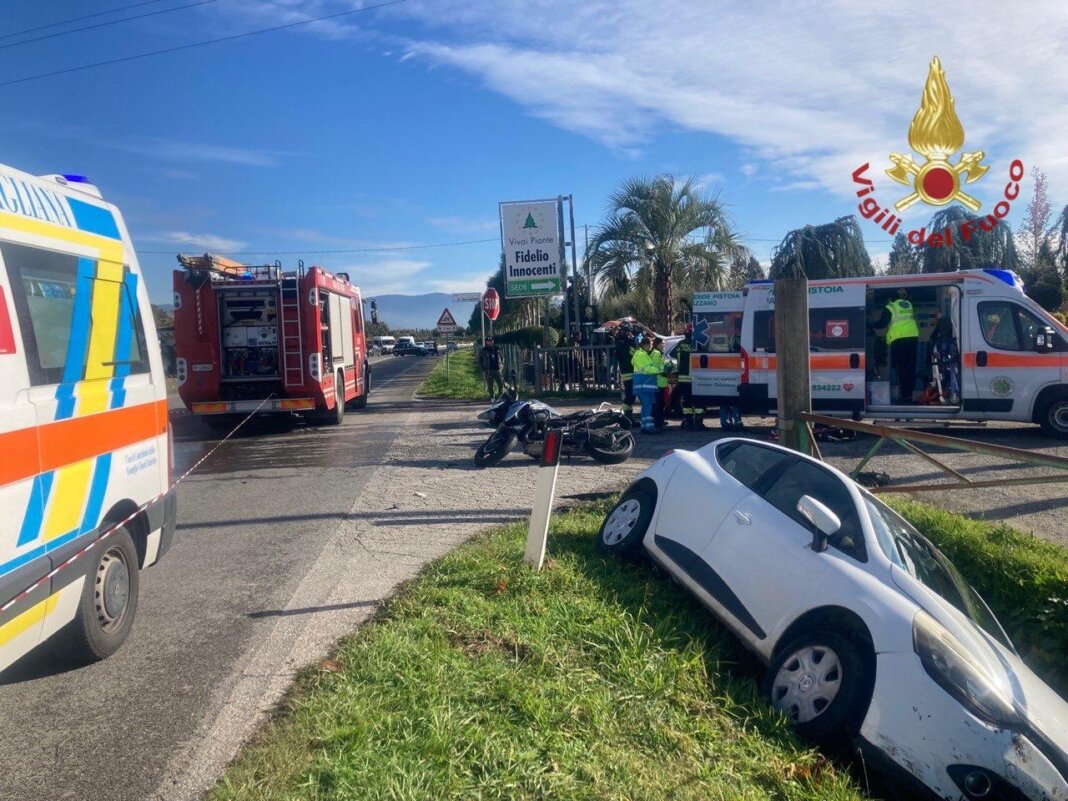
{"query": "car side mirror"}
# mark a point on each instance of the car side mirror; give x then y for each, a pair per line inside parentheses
(822, 519)
(1044, 340)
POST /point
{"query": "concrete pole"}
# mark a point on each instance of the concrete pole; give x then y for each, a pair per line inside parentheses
(563, 272)
(574, 270)
(791, 351)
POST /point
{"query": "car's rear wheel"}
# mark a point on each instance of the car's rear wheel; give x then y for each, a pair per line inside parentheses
(822, 682)
(624, 527)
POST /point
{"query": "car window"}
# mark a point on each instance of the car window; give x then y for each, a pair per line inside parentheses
(806, 478)
(749, 462)
(999, 329)
(914, 553)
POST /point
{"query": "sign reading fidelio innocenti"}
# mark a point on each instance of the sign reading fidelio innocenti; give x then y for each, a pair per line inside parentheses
(530, 241)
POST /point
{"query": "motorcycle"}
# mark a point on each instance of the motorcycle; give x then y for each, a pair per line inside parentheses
(603, 433)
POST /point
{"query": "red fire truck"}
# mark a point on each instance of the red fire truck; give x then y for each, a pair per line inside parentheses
(260, 338)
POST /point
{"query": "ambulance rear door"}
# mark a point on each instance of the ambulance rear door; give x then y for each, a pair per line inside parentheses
(836, 326)
(716, 362)
(836, 343)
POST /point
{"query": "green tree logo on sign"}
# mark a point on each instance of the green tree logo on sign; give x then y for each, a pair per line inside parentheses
(530, 221)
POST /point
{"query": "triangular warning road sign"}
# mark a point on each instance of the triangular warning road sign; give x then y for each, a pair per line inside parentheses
(446, 319)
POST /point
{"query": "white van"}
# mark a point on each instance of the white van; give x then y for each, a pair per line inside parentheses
(384, 344)
(84, 432)
(1010, 362)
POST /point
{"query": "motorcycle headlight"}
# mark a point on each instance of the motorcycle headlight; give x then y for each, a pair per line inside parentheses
(959, 673)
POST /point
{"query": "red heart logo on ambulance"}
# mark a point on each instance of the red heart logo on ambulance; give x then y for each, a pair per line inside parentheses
(847, 387)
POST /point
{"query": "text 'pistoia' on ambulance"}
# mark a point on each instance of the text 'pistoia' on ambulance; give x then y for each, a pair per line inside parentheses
(84, 436)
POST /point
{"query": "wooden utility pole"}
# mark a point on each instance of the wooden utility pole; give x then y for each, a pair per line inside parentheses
(791, 351)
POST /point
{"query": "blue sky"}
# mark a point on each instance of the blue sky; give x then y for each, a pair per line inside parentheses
(405, 126)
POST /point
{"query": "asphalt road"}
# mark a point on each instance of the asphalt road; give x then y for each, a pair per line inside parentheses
(253, 523)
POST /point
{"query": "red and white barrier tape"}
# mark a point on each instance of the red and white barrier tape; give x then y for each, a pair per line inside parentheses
(108, 532)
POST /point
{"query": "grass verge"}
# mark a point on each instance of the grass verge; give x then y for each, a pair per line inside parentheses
(1023, 579)
(594, 679)
(464, 381)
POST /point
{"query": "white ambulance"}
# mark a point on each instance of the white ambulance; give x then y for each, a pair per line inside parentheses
(985, 350)
(84, 434)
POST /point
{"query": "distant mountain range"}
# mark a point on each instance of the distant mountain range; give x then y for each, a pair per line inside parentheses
(420, 311)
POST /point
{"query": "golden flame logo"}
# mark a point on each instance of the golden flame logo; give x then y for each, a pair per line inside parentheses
(936, 133)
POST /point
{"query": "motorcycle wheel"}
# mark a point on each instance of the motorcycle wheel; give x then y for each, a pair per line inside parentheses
(610, 447)
(494, 449)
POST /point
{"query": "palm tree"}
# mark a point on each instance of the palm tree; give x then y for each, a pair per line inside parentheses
(661, 233)
(832, 250)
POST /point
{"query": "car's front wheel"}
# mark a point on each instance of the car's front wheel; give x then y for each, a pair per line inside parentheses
(624, 528)
(822, 682)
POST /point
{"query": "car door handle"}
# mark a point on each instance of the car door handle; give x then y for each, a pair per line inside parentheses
(742, 518)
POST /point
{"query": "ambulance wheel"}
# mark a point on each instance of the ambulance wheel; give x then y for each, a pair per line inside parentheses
(108, 604)
(1053, 417)
(361, 401)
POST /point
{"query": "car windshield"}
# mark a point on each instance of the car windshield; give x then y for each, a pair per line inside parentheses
(911, 551)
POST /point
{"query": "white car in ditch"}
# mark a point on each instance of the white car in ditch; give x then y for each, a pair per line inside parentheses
(869, 633)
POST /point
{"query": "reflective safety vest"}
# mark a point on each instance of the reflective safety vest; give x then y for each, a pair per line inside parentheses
(659, 362)
(902, 321)
(645, 371)
(682, 360)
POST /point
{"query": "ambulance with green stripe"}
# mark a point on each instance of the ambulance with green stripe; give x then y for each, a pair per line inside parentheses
(85, 447)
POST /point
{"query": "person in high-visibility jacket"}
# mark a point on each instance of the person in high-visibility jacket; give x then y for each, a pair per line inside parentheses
(645, 372)
(693, 414)
(902, 338)
(663, 366)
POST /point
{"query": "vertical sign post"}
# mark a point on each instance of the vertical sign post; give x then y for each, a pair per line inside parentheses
(544, 489)
(574, 267)
(563, 266)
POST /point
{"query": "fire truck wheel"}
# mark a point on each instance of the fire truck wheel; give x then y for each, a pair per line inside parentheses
(361, 401)
(337, 414)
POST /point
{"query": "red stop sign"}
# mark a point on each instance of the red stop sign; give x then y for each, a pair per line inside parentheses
(491, 303)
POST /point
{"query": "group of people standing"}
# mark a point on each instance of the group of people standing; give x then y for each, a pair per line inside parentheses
(645, 372)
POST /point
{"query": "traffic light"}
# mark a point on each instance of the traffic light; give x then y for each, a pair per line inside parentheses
(374, 311)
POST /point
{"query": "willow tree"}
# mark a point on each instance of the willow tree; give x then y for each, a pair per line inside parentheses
(994, 248)
(660, 233)
(832, 250)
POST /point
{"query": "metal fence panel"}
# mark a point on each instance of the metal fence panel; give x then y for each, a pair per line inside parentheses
(576, 369)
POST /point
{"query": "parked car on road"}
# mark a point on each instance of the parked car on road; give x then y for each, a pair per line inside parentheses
(870, 634)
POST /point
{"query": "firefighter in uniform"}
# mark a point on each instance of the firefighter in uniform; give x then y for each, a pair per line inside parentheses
(902, 338)
(692, 414)
(645, 372)
(625, 348)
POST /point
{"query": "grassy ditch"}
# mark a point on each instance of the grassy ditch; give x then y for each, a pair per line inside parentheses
(464, 381)
(1024, 579)
(595, 679)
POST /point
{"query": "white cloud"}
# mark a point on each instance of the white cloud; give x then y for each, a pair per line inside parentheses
(795, 186)
(749, 169)
(208, 242)
(465, 225)
(245, 14)
(196, 152)
(388, 276)
(808, 96)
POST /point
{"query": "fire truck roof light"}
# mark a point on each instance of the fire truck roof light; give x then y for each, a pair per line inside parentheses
(76, 179)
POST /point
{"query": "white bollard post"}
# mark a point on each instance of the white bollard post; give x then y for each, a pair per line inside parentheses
(543, 501)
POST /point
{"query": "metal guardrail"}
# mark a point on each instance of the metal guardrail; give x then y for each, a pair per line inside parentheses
(907, 439)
